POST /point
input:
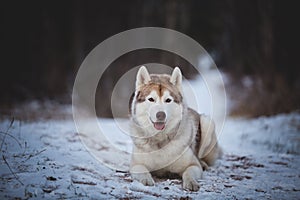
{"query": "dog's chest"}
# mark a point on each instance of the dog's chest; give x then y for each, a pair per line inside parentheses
(154, 143)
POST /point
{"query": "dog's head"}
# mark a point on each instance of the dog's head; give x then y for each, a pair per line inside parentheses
(157, 104)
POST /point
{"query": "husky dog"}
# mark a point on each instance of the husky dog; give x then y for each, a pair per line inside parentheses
(168, 137)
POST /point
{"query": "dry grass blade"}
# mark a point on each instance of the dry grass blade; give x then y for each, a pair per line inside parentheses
(13, 137)
(6, 132)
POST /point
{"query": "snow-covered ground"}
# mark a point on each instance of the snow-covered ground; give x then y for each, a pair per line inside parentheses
(49, 158)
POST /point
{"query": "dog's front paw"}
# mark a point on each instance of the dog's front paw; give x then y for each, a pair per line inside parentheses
(191, 185)
(190, 176)
(144, 178)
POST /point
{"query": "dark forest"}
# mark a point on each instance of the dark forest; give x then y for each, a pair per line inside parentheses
(44, 43)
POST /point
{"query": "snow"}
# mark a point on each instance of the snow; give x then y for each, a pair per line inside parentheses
(49, 158)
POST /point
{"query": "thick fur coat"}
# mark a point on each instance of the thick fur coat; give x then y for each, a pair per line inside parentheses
(168, 136)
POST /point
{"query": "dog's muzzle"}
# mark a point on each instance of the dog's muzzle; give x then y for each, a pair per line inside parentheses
(160, 120)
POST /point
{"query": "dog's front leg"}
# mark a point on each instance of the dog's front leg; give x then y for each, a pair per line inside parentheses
(190, 177)
(141, 174)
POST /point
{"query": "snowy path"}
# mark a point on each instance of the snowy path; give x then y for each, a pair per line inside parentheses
(47, 159)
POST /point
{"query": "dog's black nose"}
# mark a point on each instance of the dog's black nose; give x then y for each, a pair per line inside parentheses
(161, 116)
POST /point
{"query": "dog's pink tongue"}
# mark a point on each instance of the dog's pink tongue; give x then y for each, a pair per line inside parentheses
(159, 125)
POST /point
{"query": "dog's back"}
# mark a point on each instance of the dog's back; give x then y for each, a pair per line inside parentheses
(205, 145)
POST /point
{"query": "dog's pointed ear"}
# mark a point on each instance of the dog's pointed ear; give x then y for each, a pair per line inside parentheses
(142, 77)
(176, 78)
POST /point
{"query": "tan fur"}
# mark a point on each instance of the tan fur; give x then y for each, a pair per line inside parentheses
(185, 147)
(158, 83)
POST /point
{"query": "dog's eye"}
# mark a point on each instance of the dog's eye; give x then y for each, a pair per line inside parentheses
(151, 99)
(168, 100)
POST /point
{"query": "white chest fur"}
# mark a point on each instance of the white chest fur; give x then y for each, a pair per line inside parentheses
(166, 150)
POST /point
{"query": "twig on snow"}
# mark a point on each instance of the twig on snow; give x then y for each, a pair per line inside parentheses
(12, 170)
(32, 155)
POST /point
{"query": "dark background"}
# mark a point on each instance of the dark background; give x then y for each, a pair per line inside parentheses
(44, 42)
